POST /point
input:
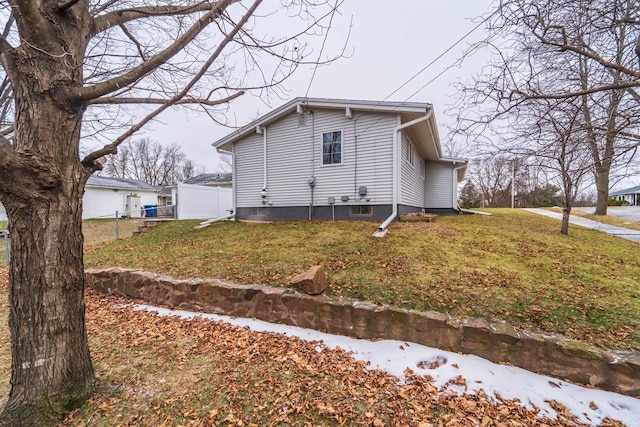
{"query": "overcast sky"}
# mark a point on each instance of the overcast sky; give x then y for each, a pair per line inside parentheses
(389, 41)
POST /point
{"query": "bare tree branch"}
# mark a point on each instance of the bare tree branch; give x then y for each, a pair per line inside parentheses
(64, 5)
(207, 102)
(100, 89)
(32, 21)
(89, 160)
(118, 17)
(572, 94)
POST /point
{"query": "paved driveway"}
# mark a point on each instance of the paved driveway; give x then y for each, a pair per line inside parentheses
(625, 233)
(631, 213)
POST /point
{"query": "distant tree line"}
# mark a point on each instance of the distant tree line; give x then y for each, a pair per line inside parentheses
(491, 183)
(149, 161)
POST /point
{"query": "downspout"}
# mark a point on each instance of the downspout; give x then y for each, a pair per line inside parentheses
(396, 167)
(263, 130)
(233, 177)
(455, 186)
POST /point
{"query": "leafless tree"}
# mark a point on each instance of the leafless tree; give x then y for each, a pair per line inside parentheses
(492, 175)
(78, 68)
(584, 51)
(225, 163)
(555, 131)
(189, 169)
(149, 161)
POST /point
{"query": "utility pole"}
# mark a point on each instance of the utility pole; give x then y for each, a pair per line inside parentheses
(513, 184)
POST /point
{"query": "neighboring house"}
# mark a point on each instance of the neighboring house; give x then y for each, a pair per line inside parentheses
(105, 195)
(342, 159)
(167, 195)
(629, 195)
(220, 179)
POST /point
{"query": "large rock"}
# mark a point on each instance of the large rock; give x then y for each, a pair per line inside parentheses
(312, 281)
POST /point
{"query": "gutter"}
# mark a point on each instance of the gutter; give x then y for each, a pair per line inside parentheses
(396, 167)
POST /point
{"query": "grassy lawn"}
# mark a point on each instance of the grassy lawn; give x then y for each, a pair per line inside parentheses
(95, 231)
(512, 265)
(104, 230)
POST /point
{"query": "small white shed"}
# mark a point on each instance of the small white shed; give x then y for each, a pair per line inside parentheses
(105, 195)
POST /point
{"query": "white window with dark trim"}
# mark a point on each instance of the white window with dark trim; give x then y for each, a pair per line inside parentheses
(332, 148)
(360, 210)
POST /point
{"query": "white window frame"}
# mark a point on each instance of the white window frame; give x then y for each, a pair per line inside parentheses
(322, 163)
(423, 169)
(410, 154)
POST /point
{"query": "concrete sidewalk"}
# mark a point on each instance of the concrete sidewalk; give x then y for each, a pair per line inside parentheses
(625, 233)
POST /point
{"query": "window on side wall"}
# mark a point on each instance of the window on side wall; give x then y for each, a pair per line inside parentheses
(332, 148)
(410, 153)
(360, 210)
(423, 168)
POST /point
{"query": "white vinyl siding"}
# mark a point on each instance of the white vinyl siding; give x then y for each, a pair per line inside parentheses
(295, 154)
(439, 185)
(248, 167)
(412, 185)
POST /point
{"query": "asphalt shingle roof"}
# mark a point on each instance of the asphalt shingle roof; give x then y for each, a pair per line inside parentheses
(119, 183)
(210, 178)
(632, 190)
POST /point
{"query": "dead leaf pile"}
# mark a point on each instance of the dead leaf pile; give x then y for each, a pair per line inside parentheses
(200, 373)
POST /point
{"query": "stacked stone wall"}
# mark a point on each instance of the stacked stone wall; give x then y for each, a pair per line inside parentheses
(552, 355)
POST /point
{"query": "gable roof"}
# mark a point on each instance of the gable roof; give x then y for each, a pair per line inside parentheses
(424, 133)
(210, 178)
(118, 183)
(632, 190)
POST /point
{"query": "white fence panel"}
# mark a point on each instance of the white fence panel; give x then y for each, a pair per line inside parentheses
(202, 202)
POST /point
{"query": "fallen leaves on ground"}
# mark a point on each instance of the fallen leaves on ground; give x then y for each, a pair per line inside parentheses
(202, 372)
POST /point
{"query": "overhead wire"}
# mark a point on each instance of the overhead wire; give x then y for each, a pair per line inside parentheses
(447, 50)
(324, 41)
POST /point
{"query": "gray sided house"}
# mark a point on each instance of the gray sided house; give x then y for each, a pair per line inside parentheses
(628, 195)
(341, 159)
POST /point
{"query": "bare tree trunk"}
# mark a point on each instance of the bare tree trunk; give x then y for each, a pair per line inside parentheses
(602, 188)
(51, 366)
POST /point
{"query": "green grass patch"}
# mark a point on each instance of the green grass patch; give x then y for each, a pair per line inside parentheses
(512, 265)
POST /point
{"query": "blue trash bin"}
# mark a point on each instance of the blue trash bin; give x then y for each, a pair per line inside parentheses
(151, 211)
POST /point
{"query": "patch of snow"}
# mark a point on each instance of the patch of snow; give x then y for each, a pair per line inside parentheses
(444, 367)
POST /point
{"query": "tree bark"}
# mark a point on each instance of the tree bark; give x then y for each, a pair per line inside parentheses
(602, 188)
(41, 189)
(51, 366)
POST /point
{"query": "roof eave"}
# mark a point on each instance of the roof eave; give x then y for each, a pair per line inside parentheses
(386, 106)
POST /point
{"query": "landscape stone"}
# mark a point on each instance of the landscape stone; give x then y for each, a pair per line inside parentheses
(312, 281)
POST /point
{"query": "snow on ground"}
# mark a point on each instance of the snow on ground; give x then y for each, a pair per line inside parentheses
(589, 405)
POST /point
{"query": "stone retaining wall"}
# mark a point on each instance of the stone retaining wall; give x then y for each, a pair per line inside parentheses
(551, 355)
